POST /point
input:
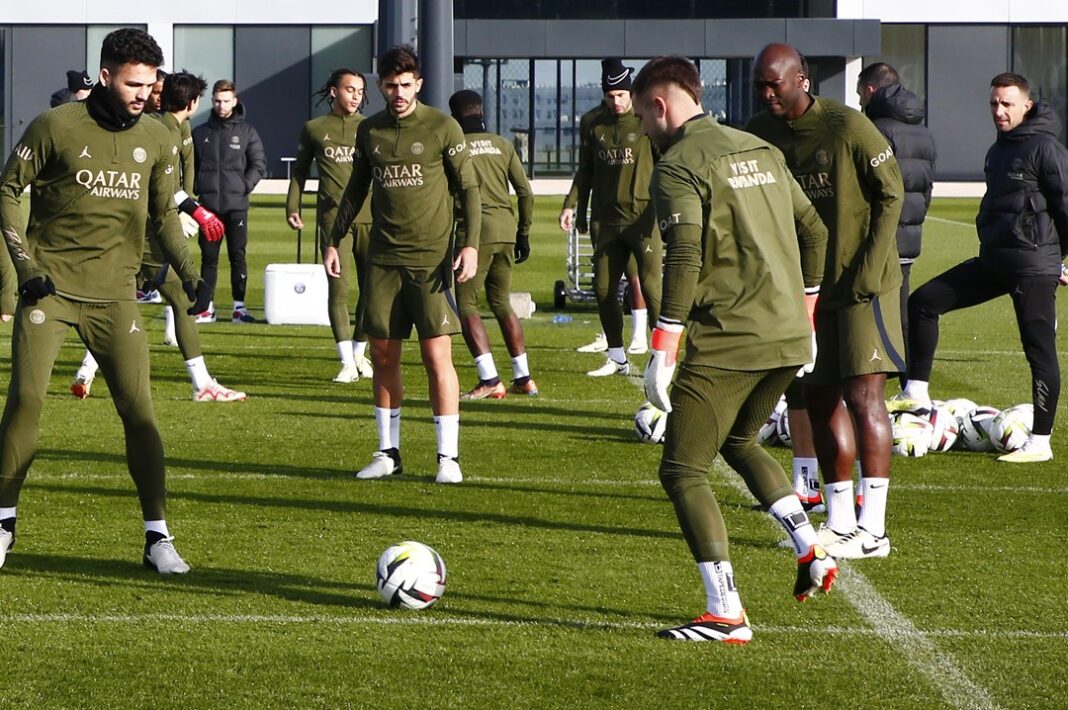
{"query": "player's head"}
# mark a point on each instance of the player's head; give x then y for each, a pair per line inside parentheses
(874, 77)
(345, 91)
(667, 93)
(129, 58)
(79, 84)
(1010, 100)
(779, 81)
(616, 84)
(806, 83)
(399, 79)
(155, 100)
(466, 107)
(223, 98)
(182, 91)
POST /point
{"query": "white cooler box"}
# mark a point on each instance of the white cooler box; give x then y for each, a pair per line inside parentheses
(295, 294)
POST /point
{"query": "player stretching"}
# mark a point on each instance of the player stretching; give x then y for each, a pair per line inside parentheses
(96, 172)
(179, 97)
(329, 140)
(735, 269)
(496, 165)
(409, 156)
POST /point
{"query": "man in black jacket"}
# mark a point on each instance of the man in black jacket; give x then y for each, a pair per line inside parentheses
(229, 162)
(898, 114)
(1023, 236)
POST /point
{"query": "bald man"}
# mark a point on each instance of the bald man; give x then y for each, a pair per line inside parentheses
(848, 170)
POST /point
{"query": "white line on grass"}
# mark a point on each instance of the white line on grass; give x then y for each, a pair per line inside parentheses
(943, 220)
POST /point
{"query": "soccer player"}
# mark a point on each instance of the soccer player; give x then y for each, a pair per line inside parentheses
(180, 96)
(1023, 238)
(328, 140)
(848, 171)
(409, 156)
(501, 242)
(743, 247)
(229, 163)
(615, 162)
(96, 171)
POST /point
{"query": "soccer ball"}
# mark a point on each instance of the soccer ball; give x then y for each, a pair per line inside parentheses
(410, 575)
(944, 428)
(650, 424)
(912, 434)
(1010, 429)
(960, 408)
(782, 428)
(975, 432)
(767, 435)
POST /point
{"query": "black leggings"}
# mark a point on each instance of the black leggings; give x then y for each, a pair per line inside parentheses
(236, 224)
(1034, 298)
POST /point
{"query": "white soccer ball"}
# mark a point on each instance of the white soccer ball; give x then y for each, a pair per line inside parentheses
(768, 436)
(912, 434)
(410, 575)
(782, 428)
(650, 424)
(960, 408)
(944, 428)
(975, 432)
(1012, 427)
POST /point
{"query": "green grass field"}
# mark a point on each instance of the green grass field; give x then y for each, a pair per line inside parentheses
(563, 553)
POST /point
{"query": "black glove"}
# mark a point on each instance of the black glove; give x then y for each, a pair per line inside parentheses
(33, 290)
(199, 293)
(522, 248)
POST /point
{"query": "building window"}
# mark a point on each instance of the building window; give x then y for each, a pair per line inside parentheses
(339, 47)
(1041, 54)
(207, 51)
(904, 47)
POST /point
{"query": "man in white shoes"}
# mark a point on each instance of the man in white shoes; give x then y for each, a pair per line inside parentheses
(413, 159)
(1023, 238)
(615, 164)
(179, 99)
(328, 142)
(639, 319)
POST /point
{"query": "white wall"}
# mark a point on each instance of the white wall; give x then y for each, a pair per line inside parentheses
(186, 12)
(955, 11)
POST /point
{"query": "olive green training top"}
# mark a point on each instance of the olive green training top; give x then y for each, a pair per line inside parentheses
(329, 141)
(154, 254)
(615, 164)
(410, 164)
(92, 191)
(741, 243)
(186, 158)
(847, 169)
(497, 165)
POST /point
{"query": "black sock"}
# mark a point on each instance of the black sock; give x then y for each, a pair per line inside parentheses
(521, 380)
(8, 524)
(152, 537)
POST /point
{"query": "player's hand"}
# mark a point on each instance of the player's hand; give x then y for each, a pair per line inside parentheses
(210, 226)
(294, 221)
(190, 228)
(661, 367)
(332, 262)
(580, 224)
(567, 219)
(33, 290)
(811, 300)
(522, 248)
(199, 293)
(1063, 278)
(466, 264)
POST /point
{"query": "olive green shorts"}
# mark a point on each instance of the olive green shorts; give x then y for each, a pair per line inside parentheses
(495, 276)
(399, 297)
(862, 339)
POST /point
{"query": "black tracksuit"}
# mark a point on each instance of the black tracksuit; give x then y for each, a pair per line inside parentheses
(1023, 236)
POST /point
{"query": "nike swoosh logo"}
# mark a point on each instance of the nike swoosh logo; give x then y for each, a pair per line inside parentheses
(873, 485)
(839, 490)
(866, 550)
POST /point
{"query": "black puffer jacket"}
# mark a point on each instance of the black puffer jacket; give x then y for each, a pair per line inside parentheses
(1023, 218)
(898, 113)
(229, 160)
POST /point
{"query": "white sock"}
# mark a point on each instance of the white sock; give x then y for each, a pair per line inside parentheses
(520, 368)
(359, 348)
(617, 355)
(198, 373)
(806, 477)
(159, 526)
(447, 428)
(387, 421)
(168, 324)
(89, 366)
(487, 370)
(720, 593)
(344, 351)
(841, 515)
(640, 319)
(917, 389)
(239, 305)
(873, 511)
(794, 520)
(6, 513)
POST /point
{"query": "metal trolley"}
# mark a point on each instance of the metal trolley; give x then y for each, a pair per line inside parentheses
(579, 284)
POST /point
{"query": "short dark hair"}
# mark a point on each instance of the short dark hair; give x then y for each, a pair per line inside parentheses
(223, 85)
(671, 69)
(130, 45)
(398, 60)
(180, 89)
(465, 103)
(804, 65)
(1011, 79)
(879, 74)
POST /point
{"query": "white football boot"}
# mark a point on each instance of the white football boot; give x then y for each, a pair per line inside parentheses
(1030, 452)
(162, 557)
(858, 545)
(349, 373)
(448, 470)
(383, 464)
(609, 368)
(7, 541)
(215, 392)
(363, 366)
(599, 345)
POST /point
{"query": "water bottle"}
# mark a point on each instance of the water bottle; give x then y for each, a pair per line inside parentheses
(562, 318)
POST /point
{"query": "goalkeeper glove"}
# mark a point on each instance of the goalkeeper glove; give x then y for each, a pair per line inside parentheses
(522, 248)
(812, 297)
(210, 225)
(661, 367)
(199, 293)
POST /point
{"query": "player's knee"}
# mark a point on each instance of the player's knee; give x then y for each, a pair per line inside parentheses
(676, 478)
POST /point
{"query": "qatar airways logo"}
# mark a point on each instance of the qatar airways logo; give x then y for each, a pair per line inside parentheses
(339, 154)
(816, 186)
(112, 184)
(393, 176)
(616, 156)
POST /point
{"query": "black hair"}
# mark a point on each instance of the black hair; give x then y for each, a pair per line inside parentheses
(1011, 79)
(323, 92)
(879, 74)
(465, 103)
(130, 45)
(398, 60)
(180, 89)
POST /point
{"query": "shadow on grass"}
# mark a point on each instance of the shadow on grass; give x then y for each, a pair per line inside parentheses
(266, 469)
